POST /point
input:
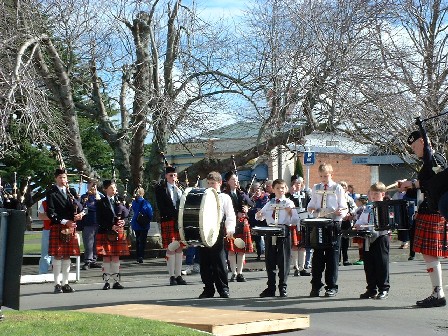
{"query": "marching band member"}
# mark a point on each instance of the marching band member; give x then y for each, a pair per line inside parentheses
(430, 226)
(327, 200)
(213, 259)
(300, 199)
(62, 210)
(240, 201)
(111, 240)
(260, 198)
(376, 249)
(278, 211)
(167, 198)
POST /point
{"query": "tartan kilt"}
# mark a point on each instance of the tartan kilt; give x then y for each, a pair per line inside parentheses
(245, 236)
(429, 235)
(59, 248)
(295, 236)
(358, 240)
(112, 249)
(169, 233)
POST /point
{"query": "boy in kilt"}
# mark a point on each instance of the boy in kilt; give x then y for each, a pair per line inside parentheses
(111, 242)
(167, 198)
(62, 210)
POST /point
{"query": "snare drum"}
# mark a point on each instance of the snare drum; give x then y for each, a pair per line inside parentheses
(356, 233)
(270, 231)
(391, 215)
(318, 233)
(199, 216)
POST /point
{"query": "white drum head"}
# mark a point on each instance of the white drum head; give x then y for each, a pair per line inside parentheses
(173, 246)
(180, 222)
(209, 217)
(239, 243)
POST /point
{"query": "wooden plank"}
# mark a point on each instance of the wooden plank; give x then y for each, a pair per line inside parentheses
(242, 322)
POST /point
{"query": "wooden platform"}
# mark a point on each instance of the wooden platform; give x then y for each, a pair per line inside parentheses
(212, 320)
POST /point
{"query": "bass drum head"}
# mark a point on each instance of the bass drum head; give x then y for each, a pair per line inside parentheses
(180, 221)
(210, 217)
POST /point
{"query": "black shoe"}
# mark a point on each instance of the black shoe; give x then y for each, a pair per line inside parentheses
(382, 295)
(140, 260)
(314, 293)
(258, 258)
(240, 278)
(347, 263)
(431, 301)
(232, 278)
(85, 267)
(57, 289)
(411, 258)
(283, 292)
(368, 294)
(305, 272)
(296, 272)
(106, 286)
(180, 280)
(117, 285)
(173, 281)
(331, 292)
(206, 294)
(224, 294)
(67, 289)
(95, 265)
(268, 293)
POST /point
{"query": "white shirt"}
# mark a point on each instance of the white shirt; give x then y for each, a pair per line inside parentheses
(174, 189)
(228, 212)
(283, 217)
(335, 199)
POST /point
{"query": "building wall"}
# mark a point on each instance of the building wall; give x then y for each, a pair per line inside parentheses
(343, 170)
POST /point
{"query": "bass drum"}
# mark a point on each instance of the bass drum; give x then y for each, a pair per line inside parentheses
(199, 216)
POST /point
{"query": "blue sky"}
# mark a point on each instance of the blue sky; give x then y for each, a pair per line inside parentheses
(221, 8)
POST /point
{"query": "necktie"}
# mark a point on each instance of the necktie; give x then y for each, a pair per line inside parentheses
(324, 196)
(64, 193)
(277, 201)
(174, 197)
(111, 203)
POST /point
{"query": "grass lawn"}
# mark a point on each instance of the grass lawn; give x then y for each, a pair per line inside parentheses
(62, 323)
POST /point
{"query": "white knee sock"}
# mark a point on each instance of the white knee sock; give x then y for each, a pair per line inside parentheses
(65, 266)
(170, 260)
(115, 267)
(434, 270)
(178, 264)
(106, 270)
(57, 264)
(301, 260)
(240, 262)
(232, 262)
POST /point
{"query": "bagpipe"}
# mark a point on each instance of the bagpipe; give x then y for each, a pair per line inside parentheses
(16, 199)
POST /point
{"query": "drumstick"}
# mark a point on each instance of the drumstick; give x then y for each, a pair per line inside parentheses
(392, 186)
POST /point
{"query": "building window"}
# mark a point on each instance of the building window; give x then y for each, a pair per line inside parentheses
(332, 143)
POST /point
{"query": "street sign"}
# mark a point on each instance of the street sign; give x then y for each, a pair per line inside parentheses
(309, 158)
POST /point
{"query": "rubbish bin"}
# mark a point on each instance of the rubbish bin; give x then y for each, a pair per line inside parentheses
(12, 229)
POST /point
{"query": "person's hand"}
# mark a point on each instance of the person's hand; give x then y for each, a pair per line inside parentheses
(259, 215)
(288, 211)
(71, 224)
(120, 222)
(229, 235)
(404, 184)
(78, 217)
(245, 209)
(338, 212)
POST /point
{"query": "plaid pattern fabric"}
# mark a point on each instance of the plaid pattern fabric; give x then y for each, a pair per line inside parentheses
(358, 240)
(58, 248)
(169, 233)
(295, 236)
(246, 236)
(429, 235)
(107, 248)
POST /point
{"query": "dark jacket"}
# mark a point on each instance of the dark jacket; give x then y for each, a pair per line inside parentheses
(164, 203)
(59, 207)
(105, 217)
